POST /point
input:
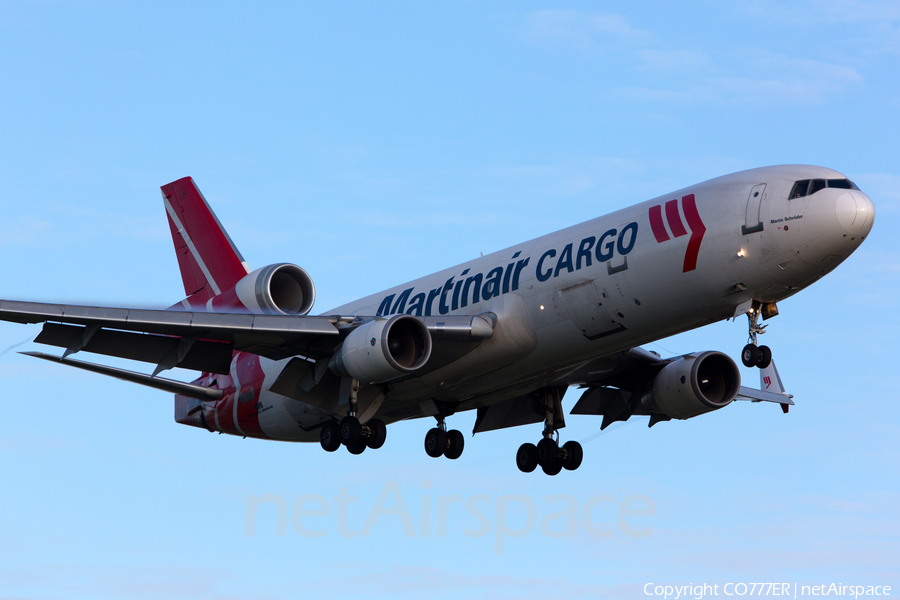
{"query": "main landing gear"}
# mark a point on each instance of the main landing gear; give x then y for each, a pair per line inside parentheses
(549, 456)
(547, 452)
(753, 355)
(439, 441)
(350, 432)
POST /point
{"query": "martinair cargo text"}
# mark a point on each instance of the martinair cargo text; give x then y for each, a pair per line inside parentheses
(506, 334)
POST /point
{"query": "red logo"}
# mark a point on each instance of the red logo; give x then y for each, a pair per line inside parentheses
(676, 226)
(768, 381)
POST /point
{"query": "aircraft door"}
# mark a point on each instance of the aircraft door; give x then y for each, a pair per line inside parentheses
(752, 221)
(584, 306)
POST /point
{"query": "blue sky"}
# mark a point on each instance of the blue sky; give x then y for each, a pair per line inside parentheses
(372, 143)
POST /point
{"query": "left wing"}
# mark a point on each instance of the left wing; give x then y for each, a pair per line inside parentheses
(614, 386)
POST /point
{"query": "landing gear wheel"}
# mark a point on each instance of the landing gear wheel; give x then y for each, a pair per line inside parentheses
(750, 355)
(435, 442)
(553, 469)
(358, 448)
(379, 433)
(574, 455)
(765, 357)
(329, 437)
(526, 458)
(548, 453)
(350, 431)
(455, 444)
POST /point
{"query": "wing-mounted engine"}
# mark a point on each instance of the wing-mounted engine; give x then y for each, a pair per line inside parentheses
(279, 289)
(383, 349)
(692, 385)
(679, 388)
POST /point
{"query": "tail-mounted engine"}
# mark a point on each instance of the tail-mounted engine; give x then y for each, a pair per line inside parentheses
(383, 349)
(280, 289)
(693, 385)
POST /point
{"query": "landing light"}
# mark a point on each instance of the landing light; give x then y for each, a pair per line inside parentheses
(740, 252)
(542, 307)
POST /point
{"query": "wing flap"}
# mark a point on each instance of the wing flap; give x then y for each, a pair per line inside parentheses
(271, 336)
(213, 356)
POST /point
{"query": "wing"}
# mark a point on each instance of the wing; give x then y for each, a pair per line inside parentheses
(193, 340)
(614, 387)
(206, 341)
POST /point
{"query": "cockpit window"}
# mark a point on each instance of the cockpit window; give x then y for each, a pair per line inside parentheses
(815, 185)
(799, 189)
(844, 184)
(808, 187)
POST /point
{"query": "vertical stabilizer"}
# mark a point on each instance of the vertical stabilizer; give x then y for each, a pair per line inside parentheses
(209, 261)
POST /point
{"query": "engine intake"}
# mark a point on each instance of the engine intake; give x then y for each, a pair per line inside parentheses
(279, 289)
(383, 349)
(693, 385)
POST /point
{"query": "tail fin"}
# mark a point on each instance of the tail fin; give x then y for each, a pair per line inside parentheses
(209, 261)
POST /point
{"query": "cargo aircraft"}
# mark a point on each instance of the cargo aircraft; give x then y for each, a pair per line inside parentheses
(505, 335)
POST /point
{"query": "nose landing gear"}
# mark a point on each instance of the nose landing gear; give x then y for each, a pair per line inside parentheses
(754, 355)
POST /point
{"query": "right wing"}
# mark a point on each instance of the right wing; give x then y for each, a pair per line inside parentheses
(204, 341)
(192, 340)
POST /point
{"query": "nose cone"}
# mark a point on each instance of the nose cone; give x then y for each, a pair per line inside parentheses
(855, 213)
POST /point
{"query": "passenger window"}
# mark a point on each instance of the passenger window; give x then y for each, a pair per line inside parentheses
(799, 189)
(843, 184)
(816, 185)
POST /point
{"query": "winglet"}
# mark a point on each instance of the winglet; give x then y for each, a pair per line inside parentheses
(770, 380)
(209, 261)
(771, 389)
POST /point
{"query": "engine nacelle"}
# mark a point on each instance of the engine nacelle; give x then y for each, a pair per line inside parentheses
(280, 289)
(383, 349)
(693, 385)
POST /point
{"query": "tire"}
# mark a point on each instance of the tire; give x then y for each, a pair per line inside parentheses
(750, 355)
(553, 469)
(526, 458)
(547, 452)
(435, 442)
(379, 434)
(574, 455)
(765, 357)
(455, 445)
(358, 448)
(329, 437)
(350, 431)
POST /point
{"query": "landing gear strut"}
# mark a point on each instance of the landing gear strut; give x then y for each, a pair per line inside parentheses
(753, 355)
(547, 452)
(350, 432)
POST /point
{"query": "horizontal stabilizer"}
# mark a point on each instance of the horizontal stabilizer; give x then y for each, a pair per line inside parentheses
(167, 385)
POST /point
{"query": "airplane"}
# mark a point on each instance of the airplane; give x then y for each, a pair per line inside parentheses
(505, 334)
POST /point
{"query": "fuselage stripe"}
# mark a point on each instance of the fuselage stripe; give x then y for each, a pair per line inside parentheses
(689, 205)
(656, 224)
(674, 218)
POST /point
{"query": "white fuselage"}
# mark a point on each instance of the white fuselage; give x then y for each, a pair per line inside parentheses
(642, 273)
